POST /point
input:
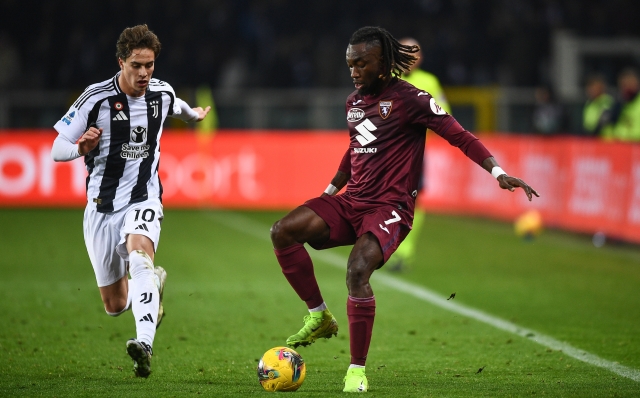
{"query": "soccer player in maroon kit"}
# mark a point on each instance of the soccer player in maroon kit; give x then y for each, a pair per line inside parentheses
(387, 119)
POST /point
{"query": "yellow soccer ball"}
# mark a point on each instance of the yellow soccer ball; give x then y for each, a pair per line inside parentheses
(528, 225)
(281, 369)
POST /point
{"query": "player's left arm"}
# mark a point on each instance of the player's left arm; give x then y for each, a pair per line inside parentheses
(188, 114)
(342, 176)
(506, 181)
(448, 128)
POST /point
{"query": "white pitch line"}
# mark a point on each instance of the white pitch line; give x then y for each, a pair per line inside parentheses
(260, 231)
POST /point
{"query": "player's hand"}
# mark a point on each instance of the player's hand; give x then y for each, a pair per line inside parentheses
(511, 183)
(89, 140)
(202, 113)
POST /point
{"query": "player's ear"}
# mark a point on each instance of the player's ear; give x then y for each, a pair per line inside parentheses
(121, 63)
(383, 71)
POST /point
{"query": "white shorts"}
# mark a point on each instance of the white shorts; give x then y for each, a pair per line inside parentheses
(105, 236)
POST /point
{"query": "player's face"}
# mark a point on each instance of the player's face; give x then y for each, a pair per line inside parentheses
(136, 71)
(364, 62)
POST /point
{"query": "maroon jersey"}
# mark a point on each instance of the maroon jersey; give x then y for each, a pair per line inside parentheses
(386, 151)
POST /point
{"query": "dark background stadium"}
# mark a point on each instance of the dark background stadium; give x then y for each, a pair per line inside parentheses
(284, 43)
(257, 44)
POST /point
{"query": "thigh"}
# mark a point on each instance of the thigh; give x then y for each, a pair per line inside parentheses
(336, 217)
(101, 236)
(301, 225)
(143, 219)
(389, 225)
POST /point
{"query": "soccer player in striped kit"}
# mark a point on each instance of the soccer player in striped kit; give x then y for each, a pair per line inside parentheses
(387, 119)
(116, 126)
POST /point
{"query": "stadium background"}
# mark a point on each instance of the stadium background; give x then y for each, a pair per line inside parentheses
(276, 67)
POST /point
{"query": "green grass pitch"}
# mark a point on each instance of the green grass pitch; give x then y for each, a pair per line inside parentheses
(227, 302)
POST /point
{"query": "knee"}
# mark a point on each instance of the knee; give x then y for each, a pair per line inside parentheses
(278, 233)
(115, 306)
(357, 276)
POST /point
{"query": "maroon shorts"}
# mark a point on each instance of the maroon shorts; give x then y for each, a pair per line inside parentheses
(349, 220)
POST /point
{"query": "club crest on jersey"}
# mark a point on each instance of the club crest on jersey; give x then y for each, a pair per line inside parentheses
(118, 106)
(384, 108)
(354, 115)
(139, 135)
(154, 106)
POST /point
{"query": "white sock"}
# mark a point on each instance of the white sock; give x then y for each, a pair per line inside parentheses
(145, 299)
(355, 366)
(321, 307)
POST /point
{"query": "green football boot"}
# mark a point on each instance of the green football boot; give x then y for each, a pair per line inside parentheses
(355, 381)
(317, 325)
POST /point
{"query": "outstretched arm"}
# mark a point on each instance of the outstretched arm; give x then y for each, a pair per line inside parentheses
(189, 114)
(476, 151)
(342, 176)
(506, 181)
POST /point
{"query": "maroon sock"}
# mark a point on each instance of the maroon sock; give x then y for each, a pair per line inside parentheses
(361, 312)
(298, 269)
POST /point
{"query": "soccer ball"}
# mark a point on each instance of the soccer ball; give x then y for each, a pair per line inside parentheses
(528, 225)
(281, 369)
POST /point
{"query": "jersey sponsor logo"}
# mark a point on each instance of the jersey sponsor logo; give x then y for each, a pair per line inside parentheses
(120, 116)
(154, 105)
(139, 135)
(435, 108)
(69, 118)
(365, 150)
(365, 128)
(134, 151)
(354, 115)
(357, 102)
(384, 108)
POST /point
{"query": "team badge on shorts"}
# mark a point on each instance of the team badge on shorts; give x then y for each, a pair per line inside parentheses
(384, 108)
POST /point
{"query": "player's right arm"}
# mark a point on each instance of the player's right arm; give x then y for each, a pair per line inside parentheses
(77, 135)
(65, 148)
(342, 176)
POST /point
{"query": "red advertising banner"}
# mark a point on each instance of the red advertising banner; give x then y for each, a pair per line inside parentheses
(585, 185)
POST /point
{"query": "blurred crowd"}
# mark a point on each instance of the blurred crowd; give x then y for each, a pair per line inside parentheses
(611, 112)
(237, 44)
(286, 43)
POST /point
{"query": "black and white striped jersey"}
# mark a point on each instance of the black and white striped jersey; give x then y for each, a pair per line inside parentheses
(123, 168)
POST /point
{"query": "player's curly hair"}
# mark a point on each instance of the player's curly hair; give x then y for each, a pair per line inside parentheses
(397, 58)
(137, 37)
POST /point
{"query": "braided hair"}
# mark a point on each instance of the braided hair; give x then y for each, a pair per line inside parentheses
(396, 58)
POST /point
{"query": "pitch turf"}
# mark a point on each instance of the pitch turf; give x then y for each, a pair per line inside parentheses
(227, 302)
